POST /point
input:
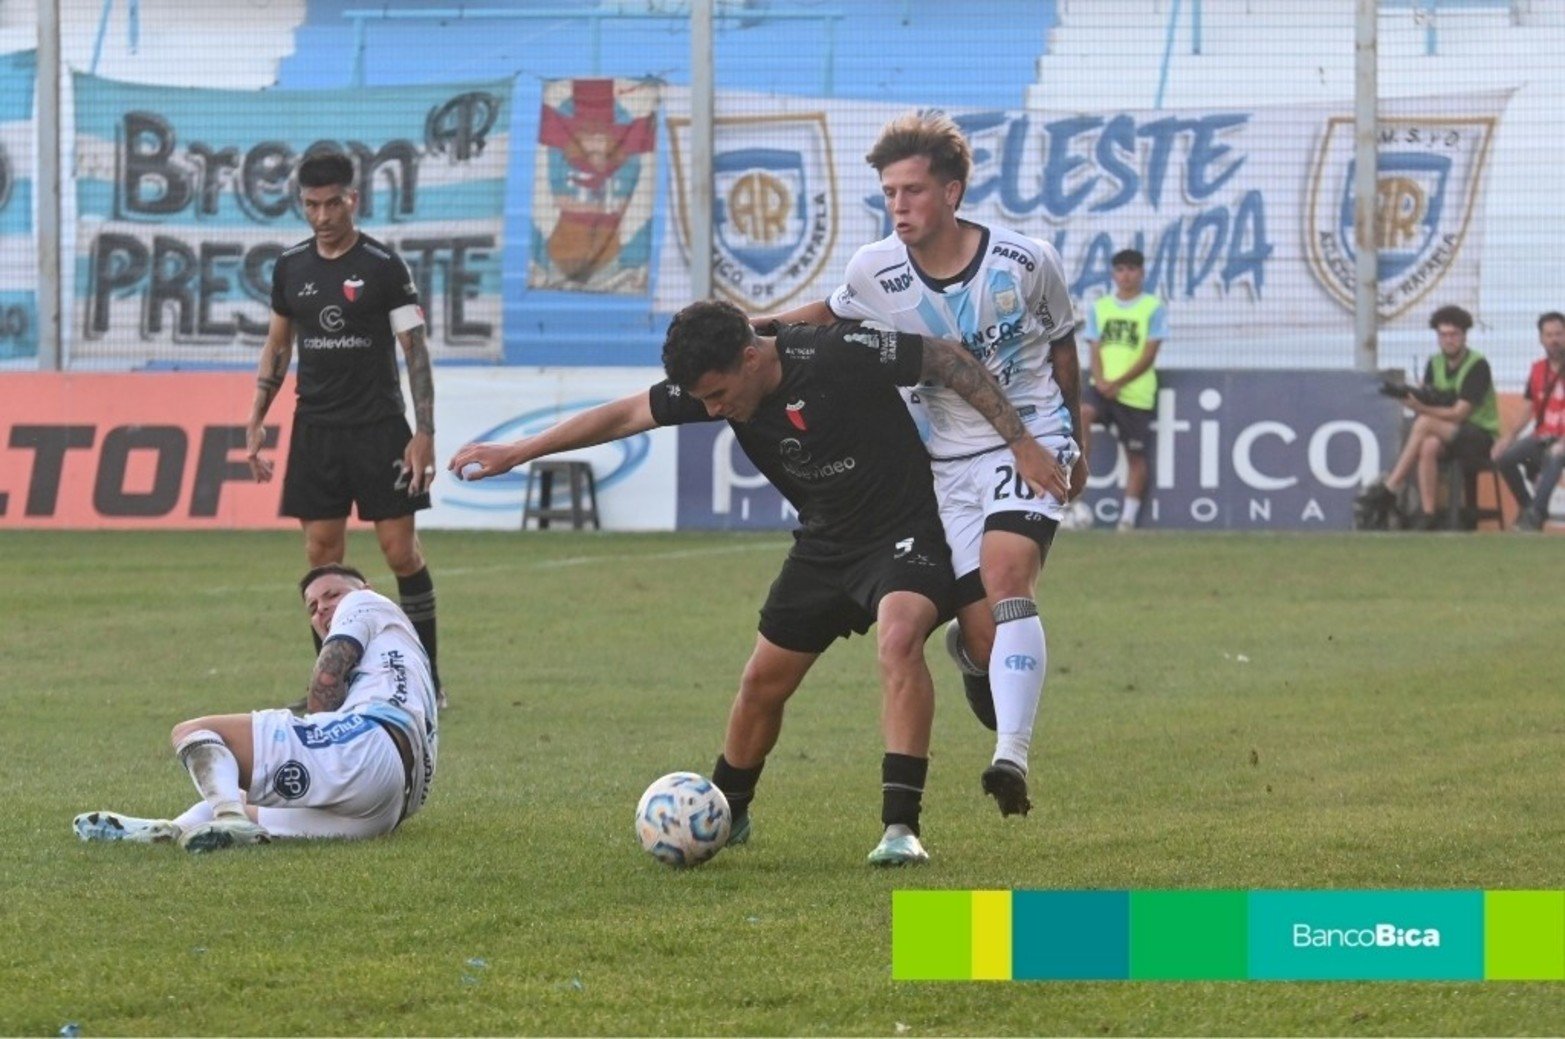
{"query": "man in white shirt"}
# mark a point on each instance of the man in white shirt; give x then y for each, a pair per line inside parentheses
(1005, 297)
(359, 762)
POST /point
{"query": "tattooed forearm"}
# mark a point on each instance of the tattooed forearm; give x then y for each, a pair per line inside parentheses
(948, 363)
(1067, 376)
(329, 683)
(273, 369)
(420, 380)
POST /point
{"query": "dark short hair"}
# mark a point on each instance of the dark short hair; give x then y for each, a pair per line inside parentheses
(1128, 258)
(316, 572)
(706, 336)
(1550, 315)
(326, 170)
(1451, 314)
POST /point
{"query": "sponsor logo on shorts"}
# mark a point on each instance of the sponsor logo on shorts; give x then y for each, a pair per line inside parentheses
(292, 781)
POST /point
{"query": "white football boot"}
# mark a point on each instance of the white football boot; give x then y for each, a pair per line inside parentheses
(225, 831)
(112, 826)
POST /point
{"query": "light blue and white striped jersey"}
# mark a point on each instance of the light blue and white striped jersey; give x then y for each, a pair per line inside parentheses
(1008, 305)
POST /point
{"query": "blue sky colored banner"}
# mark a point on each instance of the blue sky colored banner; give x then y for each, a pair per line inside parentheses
(185, 197)
(18, 249)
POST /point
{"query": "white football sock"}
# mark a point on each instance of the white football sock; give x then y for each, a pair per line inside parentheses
(214, 770)
(1130, 511)
(1016, 670)
(194, 816)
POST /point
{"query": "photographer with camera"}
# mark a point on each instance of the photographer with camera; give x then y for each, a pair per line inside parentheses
(1455, 414)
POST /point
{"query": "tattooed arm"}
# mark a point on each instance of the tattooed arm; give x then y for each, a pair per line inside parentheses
(273, 368)
(329, 683)
(419, 457)
(1067, 376)
(950, 364)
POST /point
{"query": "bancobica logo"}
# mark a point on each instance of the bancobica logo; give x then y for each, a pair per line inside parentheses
(775, 220)
(1428, 179)
(1380, 936)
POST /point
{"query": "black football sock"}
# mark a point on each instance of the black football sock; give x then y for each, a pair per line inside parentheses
(417, 592)
(902, 789)
(737, 784)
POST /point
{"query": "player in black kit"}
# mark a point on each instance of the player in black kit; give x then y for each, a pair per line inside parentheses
(817, 410)
(350, 300)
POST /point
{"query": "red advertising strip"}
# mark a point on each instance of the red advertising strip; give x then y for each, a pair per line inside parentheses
(136, 451)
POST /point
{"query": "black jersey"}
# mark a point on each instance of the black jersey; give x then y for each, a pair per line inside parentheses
(835, 438)
(341, 313)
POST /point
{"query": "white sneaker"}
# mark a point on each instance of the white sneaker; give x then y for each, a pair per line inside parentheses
(226, 831)
(899, 847)
(112, 826)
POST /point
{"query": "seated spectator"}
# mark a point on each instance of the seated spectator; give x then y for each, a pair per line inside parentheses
(1455, 415)
(1541, 452)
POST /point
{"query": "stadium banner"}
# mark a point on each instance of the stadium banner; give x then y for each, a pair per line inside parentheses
(166, 449)
(634, 477)
(18, 246)
(185, 197)
(1247, 450)
(1234, 208)
(593, 186)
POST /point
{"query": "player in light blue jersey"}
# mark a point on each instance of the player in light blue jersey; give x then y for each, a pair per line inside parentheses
(1004, 295)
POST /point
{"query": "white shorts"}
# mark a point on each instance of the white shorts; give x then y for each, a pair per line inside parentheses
(970, 490)
(334, 774)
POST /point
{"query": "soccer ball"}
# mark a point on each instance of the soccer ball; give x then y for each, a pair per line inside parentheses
(1078, 516)
(683, 820)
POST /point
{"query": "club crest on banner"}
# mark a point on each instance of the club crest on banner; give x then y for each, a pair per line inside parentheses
(774, 218)
(1429, 178)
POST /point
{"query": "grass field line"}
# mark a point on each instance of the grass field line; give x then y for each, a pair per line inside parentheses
(545, 564)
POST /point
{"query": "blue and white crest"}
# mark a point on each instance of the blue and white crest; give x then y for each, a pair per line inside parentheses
(774, 218)
(1429, 175)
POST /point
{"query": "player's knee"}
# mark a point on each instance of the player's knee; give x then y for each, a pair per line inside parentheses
(899, 644)
(403, 560)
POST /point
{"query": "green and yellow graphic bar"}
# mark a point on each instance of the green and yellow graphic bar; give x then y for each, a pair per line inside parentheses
(1391, 935)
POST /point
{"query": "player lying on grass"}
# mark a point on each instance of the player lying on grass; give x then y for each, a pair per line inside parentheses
(817, 410)
(356, 765)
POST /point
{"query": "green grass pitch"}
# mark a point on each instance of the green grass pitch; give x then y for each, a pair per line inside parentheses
(1222, 711)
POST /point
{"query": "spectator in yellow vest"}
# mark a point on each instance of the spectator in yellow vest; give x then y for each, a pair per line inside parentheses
(1455, 414)
(1125, 329)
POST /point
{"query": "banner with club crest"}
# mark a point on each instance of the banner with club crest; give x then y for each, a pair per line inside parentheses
(1244, 213)
(593, 186)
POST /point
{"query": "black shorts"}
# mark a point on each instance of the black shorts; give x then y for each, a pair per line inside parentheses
(1132, 425)
(1470, 445)
(817, 600)
(332, 467)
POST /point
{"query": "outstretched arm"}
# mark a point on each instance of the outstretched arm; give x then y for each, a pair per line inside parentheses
(329, 683)
(949, 363)
(615, 420)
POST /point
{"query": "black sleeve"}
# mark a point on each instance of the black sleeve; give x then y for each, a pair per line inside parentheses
(672, 406)
(848, 350)
(1478, 384)
(401, 290)
(279, 299)
(1429, 371)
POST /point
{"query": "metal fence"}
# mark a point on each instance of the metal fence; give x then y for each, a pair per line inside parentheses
(540, 167)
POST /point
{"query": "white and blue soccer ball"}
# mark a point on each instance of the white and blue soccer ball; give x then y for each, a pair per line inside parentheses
(1077, 516)
(683, 819)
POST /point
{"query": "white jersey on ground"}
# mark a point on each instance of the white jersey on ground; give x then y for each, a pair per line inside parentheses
(392, 680)
(1007, 306)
